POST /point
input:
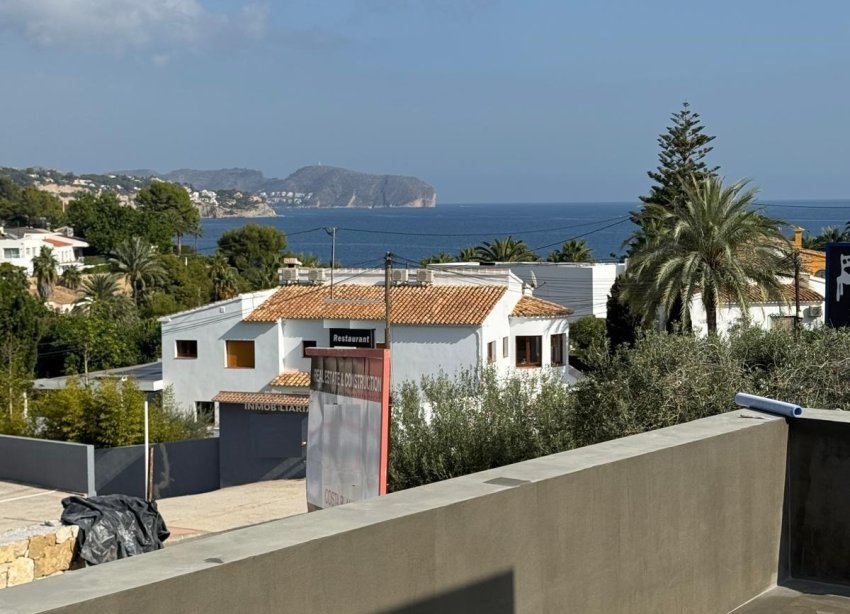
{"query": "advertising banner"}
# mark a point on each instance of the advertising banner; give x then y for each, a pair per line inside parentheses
(347, 426)
(838, 284)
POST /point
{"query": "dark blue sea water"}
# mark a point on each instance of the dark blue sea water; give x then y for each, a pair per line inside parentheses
(364, 235)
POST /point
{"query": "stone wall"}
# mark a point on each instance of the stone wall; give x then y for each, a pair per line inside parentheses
(37, 552)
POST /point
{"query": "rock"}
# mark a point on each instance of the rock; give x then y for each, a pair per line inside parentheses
(20, 572)
(67, 532)
(55, 558)
(9, 552)
(40, 543)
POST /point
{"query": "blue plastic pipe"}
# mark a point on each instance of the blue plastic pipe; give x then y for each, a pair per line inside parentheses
(769, 405)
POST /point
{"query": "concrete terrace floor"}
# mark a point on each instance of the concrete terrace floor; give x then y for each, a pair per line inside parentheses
(23, 506)
(800, 597)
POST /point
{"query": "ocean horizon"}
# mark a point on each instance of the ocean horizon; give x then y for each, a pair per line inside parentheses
(363, 236)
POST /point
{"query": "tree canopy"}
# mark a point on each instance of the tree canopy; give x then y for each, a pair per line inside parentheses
(717, 246)
(167, 209)
(255, 251)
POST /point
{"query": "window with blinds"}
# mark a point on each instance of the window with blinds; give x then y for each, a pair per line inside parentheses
(240, 354)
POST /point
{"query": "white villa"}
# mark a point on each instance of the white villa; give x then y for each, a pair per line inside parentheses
(440, 322)
(767, 314)
(18, 246)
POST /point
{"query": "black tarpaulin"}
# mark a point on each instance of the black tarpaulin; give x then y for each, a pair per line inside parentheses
(114, 526)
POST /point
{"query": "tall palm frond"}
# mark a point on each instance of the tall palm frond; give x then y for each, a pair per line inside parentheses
(137, 260)
(507, 249)
(44, 269)
(717, 247)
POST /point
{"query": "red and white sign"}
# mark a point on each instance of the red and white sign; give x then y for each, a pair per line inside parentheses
(348, 425)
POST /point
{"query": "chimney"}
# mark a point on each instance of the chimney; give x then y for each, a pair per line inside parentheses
(798, 237)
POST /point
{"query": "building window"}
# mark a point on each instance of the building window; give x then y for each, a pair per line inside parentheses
(305, 345)
(506, 347)
(240, 354)
(11, 252)
(528, 351)
(491, 352)
(557, 345)
(186, 348)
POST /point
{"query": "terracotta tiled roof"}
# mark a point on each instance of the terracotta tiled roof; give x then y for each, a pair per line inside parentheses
(530, 306)
(298, 402)
(292, 379)
(756, 294)
(425, 305)
(56, 242)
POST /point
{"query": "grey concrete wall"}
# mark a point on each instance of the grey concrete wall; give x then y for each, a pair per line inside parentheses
(818, 498)
(257, 446)
(685, 519)
(180, 468)
(49, 464)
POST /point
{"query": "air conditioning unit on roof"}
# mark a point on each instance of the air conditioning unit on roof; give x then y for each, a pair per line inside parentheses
(288, 276)
(316, 275)
(400, 276)
(425, 276)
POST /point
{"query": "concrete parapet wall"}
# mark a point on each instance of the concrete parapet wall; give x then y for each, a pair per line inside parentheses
(35, 553)
(684, 519)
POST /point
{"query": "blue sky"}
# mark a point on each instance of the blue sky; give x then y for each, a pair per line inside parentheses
(488, 100)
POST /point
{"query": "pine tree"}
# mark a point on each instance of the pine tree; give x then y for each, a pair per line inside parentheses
(684, 148)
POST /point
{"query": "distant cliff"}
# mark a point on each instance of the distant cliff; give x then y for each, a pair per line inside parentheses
(328, 186)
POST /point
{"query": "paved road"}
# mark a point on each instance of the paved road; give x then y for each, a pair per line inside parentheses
(220, 510)
(23, 506)
(233, 507)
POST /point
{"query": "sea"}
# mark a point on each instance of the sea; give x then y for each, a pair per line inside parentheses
(364, 236)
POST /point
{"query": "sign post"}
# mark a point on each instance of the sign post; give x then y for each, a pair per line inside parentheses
(347, 426)
(837, 284)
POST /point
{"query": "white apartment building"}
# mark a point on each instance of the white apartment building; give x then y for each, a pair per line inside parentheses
(440, 322)
(18, 246)
(584, 286)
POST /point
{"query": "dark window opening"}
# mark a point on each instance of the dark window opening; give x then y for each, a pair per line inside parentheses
(491, 352)
(187, 348)
(528, 351)
(557, 344)
(306, 344)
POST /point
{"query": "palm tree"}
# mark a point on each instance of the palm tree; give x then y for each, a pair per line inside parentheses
(71, 278)
(505, 250)
(224, 278)
(830, 234)
(438, 258)
(137, 261)
(44, 270)
(574, 250)
(468, 254)
(102, 294)
(717, 247)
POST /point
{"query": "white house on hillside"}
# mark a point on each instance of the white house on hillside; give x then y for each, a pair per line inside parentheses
(255, 343)
(584, 286)
(18, 246)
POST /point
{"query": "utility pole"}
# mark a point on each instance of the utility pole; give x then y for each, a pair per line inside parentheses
(797, 292)
(388, 273)
(332, 232)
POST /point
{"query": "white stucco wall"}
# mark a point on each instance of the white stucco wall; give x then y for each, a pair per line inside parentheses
(201, 378)
(729, 316)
